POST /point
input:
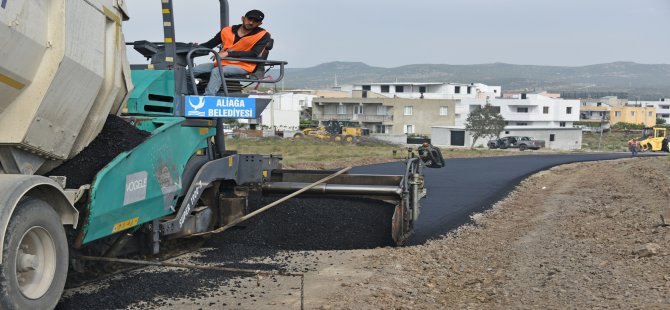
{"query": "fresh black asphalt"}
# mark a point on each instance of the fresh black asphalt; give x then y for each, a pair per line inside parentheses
(470, 185)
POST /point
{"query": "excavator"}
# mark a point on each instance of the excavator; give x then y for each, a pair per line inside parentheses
(102, 159)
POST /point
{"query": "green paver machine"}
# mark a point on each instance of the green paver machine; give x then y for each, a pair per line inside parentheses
(67, 73)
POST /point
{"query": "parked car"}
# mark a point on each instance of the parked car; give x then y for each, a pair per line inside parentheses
(521, 142)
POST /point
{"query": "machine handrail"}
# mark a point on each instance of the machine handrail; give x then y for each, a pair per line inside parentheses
(189, 60)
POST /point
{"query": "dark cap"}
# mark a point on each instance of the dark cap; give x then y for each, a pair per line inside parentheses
(255, 14)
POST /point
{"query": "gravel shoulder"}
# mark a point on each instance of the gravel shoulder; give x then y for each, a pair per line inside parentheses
(585, 235)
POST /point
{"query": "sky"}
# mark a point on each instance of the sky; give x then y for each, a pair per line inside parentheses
(393, 33)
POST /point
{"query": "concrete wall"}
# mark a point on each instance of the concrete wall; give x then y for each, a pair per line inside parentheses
(564, 138)
(425, 113)
(395, 139)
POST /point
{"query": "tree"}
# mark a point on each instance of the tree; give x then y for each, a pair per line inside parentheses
(484, 122)
(660, 121)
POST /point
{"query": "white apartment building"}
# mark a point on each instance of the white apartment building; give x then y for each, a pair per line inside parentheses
(428, 90)
(538, 116)
(283, 111)
(662, 107)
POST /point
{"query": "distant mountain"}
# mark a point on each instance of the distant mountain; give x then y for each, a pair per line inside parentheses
(640, 81)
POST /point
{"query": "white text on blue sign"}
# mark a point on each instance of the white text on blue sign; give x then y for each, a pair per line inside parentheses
(219, 107)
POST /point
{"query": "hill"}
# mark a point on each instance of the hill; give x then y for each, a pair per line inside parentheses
(640, 81)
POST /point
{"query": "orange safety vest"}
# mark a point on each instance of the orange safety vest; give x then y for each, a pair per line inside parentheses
(244, 44)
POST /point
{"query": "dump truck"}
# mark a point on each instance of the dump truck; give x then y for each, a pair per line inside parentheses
(100, 158)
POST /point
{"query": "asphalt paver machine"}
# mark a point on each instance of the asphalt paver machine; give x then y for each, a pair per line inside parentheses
(100, 158)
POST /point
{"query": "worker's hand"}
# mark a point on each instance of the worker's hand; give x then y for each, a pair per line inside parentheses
(222, 55)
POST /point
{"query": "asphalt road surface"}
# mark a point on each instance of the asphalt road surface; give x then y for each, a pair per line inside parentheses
(470, 185)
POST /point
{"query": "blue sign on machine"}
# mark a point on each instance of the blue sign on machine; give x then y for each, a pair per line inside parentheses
(219, 107)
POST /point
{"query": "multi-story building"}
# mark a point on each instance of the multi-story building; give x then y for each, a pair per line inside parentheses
(381, 114)
(427, 90)
(662, 108)
(633, 114)
(535, 115)
(283, 111)
(441, 109)
(604, 112)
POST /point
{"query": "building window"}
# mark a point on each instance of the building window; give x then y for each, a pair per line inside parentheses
(385, 88)
(561, 124)
(408, 110)
(506, 131)
(341, 109)
(409, 129)
(552, 137)
(522, 110)
(568, 110)
(522, 124)
(495, 109)
(399, 89)
(358, 109)
(381, 110)
(457, 89)
(422, 89)
(632, 113)
(444, 111)
(381, 129)
(367, 87)
(469, 90)
(599, 104)
(649, 113)
(545, 110)
(474, 107)
(617, 113)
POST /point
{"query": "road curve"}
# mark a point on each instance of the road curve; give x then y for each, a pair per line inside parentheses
(469, 185)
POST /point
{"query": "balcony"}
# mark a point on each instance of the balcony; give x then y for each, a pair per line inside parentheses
(373, 118)
(354, 117)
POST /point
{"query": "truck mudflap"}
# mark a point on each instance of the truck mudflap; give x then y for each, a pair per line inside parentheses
(403, 192)
(17, 186)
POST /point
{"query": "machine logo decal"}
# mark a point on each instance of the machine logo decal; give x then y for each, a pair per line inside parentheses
(196, 107)
(220, 107)
(192, 200)
(136, 187)
(125, 225)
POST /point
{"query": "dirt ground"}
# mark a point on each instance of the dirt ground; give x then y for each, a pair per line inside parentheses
(585, 235)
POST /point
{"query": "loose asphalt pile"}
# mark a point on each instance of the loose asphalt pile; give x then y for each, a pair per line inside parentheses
(276, 236)
(117, 136)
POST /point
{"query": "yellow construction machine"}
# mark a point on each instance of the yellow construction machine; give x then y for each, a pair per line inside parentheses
(335, 132)
(654, 139)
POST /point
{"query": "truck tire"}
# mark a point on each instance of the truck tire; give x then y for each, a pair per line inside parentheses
(34, 258)
(298, 136)
(523, 147)
(349, 138)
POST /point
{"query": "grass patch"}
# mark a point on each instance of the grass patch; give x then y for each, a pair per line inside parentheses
(323, 154)
(613, 141)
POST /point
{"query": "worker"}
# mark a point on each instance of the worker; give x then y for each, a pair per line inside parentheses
(246, 40)
(634, 147)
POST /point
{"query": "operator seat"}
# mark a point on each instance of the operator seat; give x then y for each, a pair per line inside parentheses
(236, 86)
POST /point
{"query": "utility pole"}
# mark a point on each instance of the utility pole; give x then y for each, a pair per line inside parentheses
(601, 131)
